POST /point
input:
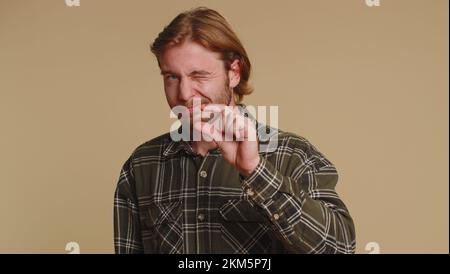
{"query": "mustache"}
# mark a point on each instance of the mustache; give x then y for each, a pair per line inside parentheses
(190, 103)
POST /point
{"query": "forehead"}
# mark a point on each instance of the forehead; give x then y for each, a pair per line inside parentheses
(189, 56)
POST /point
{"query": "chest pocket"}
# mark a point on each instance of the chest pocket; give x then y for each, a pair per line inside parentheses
(244, 227)
(161, 227)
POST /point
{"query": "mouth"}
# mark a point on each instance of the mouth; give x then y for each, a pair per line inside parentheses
(192, 108)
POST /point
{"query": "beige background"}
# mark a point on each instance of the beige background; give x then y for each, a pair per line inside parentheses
(79, 90)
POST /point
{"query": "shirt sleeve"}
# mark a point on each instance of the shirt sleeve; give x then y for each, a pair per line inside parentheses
(127, 238)
(298, 195)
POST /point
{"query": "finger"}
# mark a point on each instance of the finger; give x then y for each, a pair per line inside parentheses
(235, 125)
(208, 132)
(226, 148)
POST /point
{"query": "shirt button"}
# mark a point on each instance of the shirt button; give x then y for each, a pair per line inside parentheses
(201, 217)
(203, 174)
(250, 192)
(276, 216)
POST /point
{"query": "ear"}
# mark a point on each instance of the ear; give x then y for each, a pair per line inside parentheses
(234, 73)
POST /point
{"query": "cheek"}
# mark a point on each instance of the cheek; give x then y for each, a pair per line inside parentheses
(171, 95)
(212, 88)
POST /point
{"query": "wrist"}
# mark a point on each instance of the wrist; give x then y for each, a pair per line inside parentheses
(246, 172)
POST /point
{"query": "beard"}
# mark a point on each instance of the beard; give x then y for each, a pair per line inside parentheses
(223, 98)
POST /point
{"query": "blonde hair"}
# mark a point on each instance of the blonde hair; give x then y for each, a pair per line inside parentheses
(209, 29)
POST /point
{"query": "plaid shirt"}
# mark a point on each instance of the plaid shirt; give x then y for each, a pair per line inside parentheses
(171, 200)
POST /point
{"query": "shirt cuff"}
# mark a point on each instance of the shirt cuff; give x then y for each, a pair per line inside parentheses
(263, 182)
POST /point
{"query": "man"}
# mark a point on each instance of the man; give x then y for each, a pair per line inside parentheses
(219, 195)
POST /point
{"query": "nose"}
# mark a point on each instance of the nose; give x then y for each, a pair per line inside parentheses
(186, 90)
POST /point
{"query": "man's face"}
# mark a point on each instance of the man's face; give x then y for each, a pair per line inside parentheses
(192, 71)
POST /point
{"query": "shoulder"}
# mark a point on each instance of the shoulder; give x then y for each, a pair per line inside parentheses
(144, 152)
(298, 147)
(293, 140)
(153, 147)
(288, 140)
(147, 150)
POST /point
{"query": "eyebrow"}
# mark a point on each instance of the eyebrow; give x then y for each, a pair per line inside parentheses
(200, 73)
(164, 72)
(193, 73)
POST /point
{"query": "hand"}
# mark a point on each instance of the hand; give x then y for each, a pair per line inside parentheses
(234, 135)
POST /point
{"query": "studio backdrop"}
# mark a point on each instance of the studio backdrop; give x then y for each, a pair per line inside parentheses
(365, 81)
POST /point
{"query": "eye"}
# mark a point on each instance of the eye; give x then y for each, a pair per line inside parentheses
(200, 78)
(171, 77)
